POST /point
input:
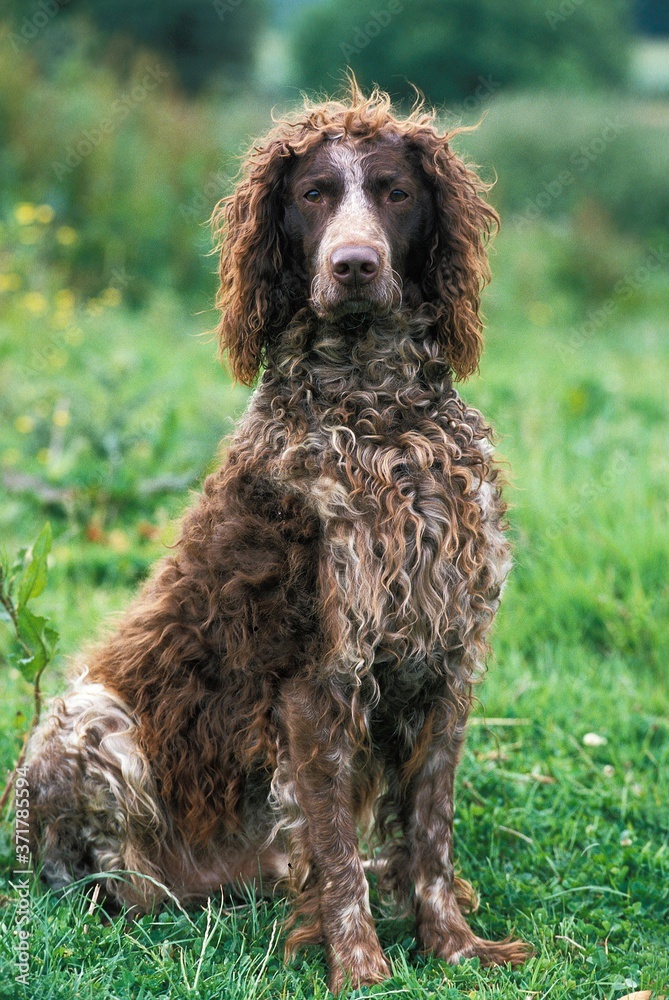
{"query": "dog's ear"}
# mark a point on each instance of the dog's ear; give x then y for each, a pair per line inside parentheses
(458, 264)
(248, 224)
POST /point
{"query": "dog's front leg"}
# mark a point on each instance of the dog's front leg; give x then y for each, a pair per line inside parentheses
(317, 788)
(440, 926)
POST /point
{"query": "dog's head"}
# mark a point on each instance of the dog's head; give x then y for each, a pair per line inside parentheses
(348, 209)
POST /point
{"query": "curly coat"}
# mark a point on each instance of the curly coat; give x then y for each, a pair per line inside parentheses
(301, 666)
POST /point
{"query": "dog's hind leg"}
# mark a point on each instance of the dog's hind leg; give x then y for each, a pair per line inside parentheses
(93, 806)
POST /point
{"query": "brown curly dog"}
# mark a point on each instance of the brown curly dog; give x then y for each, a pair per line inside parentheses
(301, 667)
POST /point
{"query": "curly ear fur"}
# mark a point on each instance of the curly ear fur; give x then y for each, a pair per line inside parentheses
(458, 265)
(254, 295)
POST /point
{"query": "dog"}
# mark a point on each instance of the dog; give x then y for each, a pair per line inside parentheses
(300, 668)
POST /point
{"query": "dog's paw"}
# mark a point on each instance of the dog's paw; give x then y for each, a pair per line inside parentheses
(507, 952)
(360, 967)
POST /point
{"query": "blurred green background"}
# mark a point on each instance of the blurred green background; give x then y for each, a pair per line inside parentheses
(122, 124)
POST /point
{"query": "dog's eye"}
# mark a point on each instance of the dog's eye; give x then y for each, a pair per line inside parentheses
(313, 196)
(397, 195)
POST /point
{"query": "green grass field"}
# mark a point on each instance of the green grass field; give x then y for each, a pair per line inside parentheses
(109, 417)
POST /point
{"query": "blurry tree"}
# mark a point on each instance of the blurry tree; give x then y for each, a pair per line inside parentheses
(652, 16)
(451, 49)
(199, 37)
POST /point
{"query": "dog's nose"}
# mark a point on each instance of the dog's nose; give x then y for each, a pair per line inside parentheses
(355, 265)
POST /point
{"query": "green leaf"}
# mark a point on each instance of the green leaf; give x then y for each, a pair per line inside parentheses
(19, 562)
(34, 576)
(31, 629)
(51, 638)
(41, 639)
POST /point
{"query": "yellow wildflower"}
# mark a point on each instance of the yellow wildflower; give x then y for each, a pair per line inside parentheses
(35, 303)
(57, 359)
(61, 320)
(24, 424)
(74, 336)
(10, 282)
(24, 213)
(44, 214)
(111, 297)
(66, 236)
(61, 417)
(65, 299)
(118, 541)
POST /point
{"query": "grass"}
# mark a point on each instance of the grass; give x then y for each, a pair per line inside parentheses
(566, 842)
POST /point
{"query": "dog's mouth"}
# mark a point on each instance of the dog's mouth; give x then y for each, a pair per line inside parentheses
(355, 305)
(331, 301)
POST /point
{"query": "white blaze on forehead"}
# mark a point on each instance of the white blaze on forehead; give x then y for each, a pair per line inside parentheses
(355, 220)
(348, 162)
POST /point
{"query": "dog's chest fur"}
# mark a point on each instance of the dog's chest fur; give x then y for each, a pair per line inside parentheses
(376, 440)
